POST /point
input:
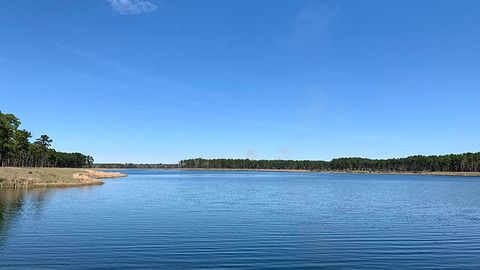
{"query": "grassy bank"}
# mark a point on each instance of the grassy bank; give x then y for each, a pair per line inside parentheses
(52, 177)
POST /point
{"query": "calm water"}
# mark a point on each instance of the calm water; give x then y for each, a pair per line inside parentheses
(245, 220)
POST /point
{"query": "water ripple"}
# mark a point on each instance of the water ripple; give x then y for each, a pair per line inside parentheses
(245, 220)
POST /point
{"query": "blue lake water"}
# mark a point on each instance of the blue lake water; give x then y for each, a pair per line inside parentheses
(245, 220)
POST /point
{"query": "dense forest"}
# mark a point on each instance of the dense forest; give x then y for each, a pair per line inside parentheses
(467, 162)
(16, 150)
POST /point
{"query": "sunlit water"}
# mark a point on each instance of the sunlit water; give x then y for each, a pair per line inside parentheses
(245, 220)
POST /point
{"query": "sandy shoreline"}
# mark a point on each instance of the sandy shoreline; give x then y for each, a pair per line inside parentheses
(52, 177)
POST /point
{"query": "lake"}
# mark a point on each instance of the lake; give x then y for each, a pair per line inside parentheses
(245, 220)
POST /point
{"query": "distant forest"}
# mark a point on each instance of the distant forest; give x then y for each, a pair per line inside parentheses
(467, 162)
(16, 150)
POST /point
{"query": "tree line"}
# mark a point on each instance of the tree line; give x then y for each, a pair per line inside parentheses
(16, 149)
(467, 162)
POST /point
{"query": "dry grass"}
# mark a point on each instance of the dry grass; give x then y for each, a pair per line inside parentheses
(52, 177)
(102, 174)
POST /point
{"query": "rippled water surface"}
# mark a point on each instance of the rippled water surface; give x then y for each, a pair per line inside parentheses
(245, 220)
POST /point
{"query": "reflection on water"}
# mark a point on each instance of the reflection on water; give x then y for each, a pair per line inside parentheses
(12, 202)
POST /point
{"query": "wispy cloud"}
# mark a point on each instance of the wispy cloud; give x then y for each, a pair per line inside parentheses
(312, 21)
(132, 7)
(251, 153)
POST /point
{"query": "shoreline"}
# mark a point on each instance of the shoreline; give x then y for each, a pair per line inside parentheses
(467, 174)
(33, 177)
(205, 169)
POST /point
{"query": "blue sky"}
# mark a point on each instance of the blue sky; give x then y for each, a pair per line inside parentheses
(159, 81)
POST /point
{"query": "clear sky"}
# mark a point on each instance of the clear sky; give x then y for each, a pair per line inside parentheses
(159, 81)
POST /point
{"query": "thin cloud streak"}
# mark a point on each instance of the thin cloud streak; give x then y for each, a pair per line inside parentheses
(132, 7)
(312, 21)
